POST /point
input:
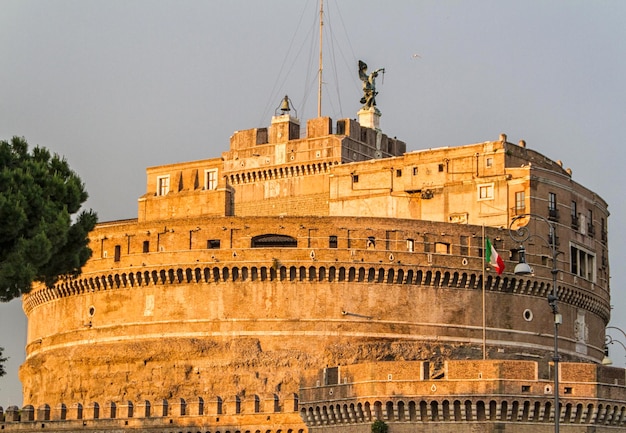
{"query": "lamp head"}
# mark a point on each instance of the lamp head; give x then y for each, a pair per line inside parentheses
(522, 268)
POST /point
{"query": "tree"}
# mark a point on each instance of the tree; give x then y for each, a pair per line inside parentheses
(39, 238)
(379, 426)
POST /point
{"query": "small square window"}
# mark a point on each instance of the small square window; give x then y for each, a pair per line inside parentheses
(398, 173)
(485, 192)
(213, 244)
(489, 162)
(355, 178)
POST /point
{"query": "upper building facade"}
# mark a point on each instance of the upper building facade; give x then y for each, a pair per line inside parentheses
(243, 273)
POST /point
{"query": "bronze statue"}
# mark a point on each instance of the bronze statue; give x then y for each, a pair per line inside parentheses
(369, 85)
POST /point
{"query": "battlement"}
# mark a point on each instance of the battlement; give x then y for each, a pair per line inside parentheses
(467, 391)
(221, 412)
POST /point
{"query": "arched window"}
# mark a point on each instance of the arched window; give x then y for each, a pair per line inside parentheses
(274, 241)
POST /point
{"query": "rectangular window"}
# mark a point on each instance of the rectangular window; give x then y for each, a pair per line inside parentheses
(520, 202)
(213, 244)
(163, 185)
(574, 215)
(398, 173)
(440, 168)
(410, 245)
(332, 242)
(371, 242)
(355, 178)
(146, 246)
(414, 171)
(489, 162)
(210, 179)
(551, 201)
(426, 245)
(118, 253)
(590, 230)
(464, 246)
(442, 248)
(553, 213)
(485, 192)
(582, 263)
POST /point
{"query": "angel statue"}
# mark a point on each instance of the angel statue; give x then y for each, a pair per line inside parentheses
(369, 85)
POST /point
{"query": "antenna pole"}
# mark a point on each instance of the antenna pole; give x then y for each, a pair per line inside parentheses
(319, 88)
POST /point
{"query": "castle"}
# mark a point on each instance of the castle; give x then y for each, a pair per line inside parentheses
(322, 282)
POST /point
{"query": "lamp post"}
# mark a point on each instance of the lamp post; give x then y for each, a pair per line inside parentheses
(522, 234)
(610, 340)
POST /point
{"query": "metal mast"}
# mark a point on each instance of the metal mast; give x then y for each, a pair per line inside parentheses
(319, 84)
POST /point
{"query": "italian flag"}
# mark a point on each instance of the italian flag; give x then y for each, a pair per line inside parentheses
(493, 258)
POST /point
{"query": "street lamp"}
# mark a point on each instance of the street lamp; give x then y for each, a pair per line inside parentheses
(610, 340)
(522, 234)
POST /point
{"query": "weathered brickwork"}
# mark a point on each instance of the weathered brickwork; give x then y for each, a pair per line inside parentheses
(243, 275)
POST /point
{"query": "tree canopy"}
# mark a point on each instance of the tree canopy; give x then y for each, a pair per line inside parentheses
(40, 239)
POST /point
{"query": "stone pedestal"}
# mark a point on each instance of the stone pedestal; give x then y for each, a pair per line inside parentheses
(369, 117)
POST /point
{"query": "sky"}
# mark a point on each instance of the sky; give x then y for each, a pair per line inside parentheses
(117, 86)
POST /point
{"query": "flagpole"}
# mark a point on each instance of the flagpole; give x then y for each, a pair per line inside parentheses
(484, 317)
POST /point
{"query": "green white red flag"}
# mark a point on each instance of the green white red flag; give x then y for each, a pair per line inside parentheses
(493, 258)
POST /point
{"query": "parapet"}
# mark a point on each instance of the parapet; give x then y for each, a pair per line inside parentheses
(244, 410)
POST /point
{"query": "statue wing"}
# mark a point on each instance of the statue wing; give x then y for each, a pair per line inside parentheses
(362, 70)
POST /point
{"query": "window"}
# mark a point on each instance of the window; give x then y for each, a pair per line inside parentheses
(355, 178)
(574, 214)
(464, 245)
(414, 171)
(440, 168)
(489, 162)
(485, 192)
(552, 210)
(210, 179)
(442, 248)
(582, 262)
(163, 185)
(410, 245)
(590, 230)
(520, 202)
(146, 246)
(213, 244)
(118, 253)
(332, 242)
(371, 242)
(274, 241)
(398, 173)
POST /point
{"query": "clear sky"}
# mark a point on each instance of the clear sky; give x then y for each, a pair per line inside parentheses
(117, 86)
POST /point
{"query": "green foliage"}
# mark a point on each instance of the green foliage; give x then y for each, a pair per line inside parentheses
(379, 426)
(39, 193)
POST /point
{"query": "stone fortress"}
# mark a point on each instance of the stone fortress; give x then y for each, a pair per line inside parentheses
(325, 281)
